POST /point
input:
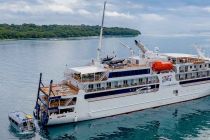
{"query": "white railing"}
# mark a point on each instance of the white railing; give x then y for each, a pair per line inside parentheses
(123, 86)
(68, 102)
(102, 77)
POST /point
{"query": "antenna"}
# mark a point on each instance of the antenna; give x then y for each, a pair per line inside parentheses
(130, 49)
(101, 34)
(157, 50)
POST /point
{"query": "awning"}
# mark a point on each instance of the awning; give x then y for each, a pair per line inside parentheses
(87, 69)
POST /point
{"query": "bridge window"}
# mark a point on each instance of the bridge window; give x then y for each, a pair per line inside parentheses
(129, 73)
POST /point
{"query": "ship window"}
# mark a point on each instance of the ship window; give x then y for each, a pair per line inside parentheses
(200, 66)
(108, 84)
(132, 81)
(174, 61)
(90, 86)
(116, 92)
(74, 99)
(129, 73)
(67, 110)
(176, 92)
(140, 80)
(205, 65)
(186, 68)
(24, 124)
(195, 80)
(191, 67)
(125, 82)
(115, 84)
(98, 85)
(209, 65)
(137, 61)
(15, 122)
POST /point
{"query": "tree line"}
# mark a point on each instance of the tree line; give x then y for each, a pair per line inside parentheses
(27, 31)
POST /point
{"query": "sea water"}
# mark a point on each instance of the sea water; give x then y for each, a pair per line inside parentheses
(21, 61)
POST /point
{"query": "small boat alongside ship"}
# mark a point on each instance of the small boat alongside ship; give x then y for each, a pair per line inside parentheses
(22, 122)
(111, 86)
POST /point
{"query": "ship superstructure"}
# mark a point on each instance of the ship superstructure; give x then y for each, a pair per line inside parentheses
(111, 86)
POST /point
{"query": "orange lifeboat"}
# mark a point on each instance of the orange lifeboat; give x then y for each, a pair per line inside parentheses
(162, 66)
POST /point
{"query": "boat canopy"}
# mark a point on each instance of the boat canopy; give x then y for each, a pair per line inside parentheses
(29, 116)
(87, 69)
(20, 117)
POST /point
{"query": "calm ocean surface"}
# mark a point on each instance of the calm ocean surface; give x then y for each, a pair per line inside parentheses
(21, 62)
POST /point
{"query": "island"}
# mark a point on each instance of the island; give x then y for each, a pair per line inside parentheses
(32, 31)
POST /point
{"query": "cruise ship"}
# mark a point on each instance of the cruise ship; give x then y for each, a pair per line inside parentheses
(111, 86)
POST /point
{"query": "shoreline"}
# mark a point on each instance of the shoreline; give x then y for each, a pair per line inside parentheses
(71, 38)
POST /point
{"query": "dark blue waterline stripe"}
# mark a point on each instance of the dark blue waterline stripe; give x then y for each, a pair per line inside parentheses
(115, 92)
(194, 81)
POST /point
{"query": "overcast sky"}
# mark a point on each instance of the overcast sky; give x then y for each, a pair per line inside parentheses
(148, 16)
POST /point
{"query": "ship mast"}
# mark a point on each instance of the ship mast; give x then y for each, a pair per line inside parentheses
(101, 35)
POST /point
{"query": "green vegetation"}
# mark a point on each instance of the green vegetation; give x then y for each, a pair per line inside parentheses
(26, 31)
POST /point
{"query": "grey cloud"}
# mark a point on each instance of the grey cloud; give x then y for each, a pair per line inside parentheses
(149, 16)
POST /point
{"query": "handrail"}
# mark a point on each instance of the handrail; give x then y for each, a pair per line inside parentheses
(68, 102)
(102, 77)
(125, 86)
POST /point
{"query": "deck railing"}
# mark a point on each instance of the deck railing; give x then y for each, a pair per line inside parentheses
(123, 86)
(191, 77)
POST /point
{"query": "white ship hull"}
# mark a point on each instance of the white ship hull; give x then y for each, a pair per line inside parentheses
(111, 86)
(87, 110)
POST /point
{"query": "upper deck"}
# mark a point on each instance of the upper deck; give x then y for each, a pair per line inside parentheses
(60, 90)
(179, 58)
(128, 67)
(100, 72)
